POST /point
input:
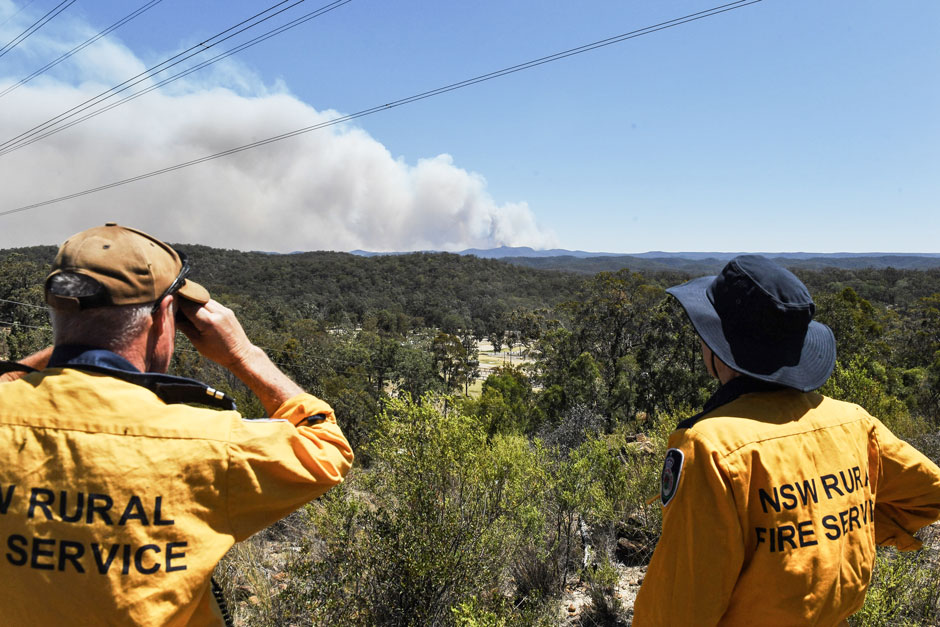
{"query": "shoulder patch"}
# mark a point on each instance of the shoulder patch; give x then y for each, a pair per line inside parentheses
(672, 468)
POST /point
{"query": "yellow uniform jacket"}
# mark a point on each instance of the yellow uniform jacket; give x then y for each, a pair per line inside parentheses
(773, 502)
(115, 506)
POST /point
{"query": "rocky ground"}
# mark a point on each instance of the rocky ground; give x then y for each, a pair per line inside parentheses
(576, 601)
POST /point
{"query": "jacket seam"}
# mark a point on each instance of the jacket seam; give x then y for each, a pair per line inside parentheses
(4, 423)
(881, 473)
(725, 470)
(227, 487)
(778, 437)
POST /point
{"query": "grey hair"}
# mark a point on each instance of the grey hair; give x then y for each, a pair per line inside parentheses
(113, 328)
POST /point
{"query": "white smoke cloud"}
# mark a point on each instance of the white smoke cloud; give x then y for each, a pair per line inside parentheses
(334, 189)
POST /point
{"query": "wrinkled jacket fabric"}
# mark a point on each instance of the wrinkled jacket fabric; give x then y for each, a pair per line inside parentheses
(780, 501)
(115, 507)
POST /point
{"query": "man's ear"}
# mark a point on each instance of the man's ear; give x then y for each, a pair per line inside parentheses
(161, 337)
(164, 312)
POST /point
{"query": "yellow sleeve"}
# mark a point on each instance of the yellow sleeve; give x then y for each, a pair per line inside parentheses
(700, 552)
(908, 491)
(278, 464)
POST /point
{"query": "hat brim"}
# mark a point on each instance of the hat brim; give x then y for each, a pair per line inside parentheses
(817, 357)
(194, 292)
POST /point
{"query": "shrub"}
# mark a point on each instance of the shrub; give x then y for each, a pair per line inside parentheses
(470, 613)
(858, 384)
(904, 591)
(606, 608)
(431, 524)
(618, 487)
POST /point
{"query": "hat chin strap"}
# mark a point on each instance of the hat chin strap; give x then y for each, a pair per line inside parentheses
(714, 367)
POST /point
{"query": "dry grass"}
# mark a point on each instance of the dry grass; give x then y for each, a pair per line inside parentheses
(254, 572)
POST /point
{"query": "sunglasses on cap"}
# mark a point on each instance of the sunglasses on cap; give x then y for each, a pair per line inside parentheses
(177, 282)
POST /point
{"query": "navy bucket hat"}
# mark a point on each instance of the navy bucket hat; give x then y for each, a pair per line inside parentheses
(757, 317)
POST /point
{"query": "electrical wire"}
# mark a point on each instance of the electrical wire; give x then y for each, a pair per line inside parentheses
(16, 302)
(349, 373)
(195, 352)
(353, 367)
(197, 49)
(18, 11)
(326, 360)
(404, 101)
(264, 348)
(80, 47)
(26, 141)
(25, 138)
(36, 26)
(25, 326)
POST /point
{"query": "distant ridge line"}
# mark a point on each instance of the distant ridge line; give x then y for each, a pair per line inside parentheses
(525, 251)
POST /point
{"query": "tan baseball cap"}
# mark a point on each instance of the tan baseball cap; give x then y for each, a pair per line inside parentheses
(132, 266)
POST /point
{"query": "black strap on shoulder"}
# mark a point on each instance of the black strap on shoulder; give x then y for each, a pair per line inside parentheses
(170, 389)
(14, 366)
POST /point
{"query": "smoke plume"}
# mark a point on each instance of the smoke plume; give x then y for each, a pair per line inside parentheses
(336, 188)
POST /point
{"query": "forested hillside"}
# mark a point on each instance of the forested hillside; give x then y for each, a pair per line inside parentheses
(698, 264)
(429, 290)
(486, 509)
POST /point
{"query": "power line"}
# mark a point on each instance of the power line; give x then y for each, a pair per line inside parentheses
(82, 46)
(150, 72)
(404, 101)
(16, 302)
(352, 367)
(326, 360)
(26, 141)
(292, 366)
(25, 326)
(195, 352)
(30, 136)
(36, 26)
(187, 350)
(18, 11)
(264, 348)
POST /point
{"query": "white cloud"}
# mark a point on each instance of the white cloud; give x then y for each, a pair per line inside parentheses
(335, 188)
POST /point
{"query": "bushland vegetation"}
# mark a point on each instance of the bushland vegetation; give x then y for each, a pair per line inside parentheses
(485, 510)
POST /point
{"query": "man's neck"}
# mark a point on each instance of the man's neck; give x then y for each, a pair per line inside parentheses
(73, 354)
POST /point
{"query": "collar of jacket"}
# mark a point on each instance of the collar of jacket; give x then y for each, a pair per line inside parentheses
(170, 389)
(733, 389)
(76, 356)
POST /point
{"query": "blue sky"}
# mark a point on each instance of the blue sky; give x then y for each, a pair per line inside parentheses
(780, 126)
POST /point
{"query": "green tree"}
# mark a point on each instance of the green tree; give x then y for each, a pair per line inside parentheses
(618, 352)
(416, 372)
(919, 351)
(24, 322)
(426, 528)
(855, 382)
(854, 322)
(506, 402)
(452, 360)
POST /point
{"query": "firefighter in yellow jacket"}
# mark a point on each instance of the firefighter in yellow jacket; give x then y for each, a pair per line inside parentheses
(117, 499)
(774, 497)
